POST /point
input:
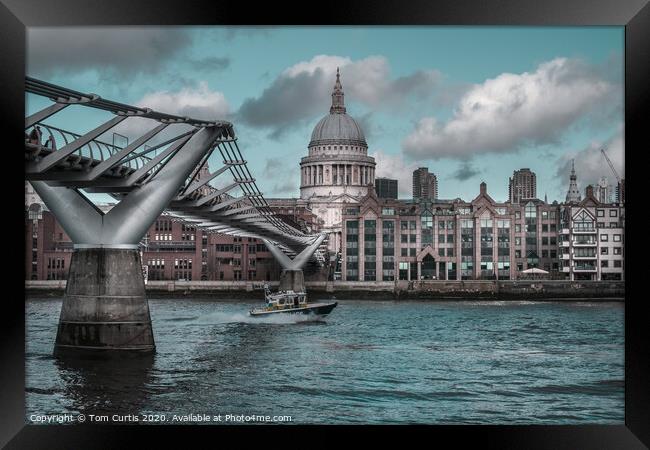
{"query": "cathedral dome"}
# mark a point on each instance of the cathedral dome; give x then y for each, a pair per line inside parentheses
(337, 127)
(337, 166)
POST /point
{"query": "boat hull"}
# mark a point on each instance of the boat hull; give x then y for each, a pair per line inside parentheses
(317, 309)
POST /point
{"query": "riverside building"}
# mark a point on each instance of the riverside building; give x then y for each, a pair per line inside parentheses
(592, 239)
(387, 240)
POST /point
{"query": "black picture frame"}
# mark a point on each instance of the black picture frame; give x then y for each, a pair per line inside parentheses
(15, 15)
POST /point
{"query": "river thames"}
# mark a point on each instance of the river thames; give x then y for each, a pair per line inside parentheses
(380, 362)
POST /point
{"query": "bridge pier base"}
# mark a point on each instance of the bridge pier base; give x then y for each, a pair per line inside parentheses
(105, 308)
(292, 280)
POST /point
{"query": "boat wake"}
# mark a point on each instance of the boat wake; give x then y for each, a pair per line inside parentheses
(221, 317)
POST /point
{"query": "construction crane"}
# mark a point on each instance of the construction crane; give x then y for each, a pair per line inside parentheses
(620, 189)
(611, 165)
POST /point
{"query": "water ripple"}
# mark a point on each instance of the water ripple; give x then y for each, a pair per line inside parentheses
(369, 362)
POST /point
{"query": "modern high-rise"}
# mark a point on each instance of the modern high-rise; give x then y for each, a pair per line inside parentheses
(386, 187)
(425, 184)
(522, 185)
(620, 192)
(603, 191)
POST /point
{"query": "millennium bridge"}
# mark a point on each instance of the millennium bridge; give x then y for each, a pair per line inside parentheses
(105, 309)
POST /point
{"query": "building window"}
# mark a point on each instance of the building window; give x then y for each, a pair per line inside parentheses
(426, 228)
(600, 213)
(583, 222)
(617, 250)
(604, 238)
(617, 238)
(604, 263)
(612, 213)
(604, 250)
(618, 263)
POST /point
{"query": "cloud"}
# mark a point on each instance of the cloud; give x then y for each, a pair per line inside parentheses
(210, 64)
(465, 172)
(303, 90)
(394, 167)
(283, 182)
(511, 110)
(197, 102)
(591, 165)
(119, 51)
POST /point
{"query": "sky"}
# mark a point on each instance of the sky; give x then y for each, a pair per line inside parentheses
(472, 104)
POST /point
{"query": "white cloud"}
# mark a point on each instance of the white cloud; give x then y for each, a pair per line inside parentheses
(590, 164)
(510, 110)
(393, 166)
(196, 102)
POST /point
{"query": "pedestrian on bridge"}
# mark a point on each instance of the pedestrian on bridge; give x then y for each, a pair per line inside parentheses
(35, 135)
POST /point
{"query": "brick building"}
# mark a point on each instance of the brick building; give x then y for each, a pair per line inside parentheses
(387, 240)
(171, 250)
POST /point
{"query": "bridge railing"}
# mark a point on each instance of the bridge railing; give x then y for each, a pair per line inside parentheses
(94, 151)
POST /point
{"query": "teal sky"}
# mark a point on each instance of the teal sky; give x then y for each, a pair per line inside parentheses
(554, 94)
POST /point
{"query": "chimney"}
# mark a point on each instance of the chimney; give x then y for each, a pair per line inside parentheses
(483, 188)
(589, 191)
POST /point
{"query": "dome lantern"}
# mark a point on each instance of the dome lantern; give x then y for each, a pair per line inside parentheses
(338, 100)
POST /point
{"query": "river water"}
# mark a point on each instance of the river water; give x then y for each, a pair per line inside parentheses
(369, 362)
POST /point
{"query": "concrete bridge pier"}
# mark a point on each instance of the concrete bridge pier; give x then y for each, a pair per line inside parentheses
(105, 306)
(292, 277)
(292, 280)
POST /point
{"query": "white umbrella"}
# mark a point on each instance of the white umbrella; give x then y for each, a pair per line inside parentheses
(534, 270)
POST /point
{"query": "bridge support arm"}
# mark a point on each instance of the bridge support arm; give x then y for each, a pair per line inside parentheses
(131, 218)
(300, 260)
(80, 219)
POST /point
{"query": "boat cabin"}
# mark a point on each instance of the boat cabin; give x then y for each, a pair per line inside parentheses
(285, 300)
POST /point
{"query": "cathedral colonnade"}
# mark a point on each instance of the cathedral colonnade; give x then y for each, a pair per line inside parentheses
(353, 174)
